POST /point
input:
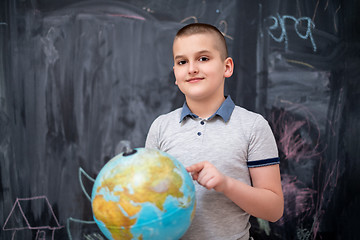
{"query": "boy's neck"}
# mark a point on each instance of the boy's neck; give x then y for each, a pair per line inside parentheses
(205, 108)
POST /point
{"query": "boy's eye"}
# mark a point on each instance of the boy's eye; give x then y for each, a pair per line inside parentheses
(203, 59)
(182, 62)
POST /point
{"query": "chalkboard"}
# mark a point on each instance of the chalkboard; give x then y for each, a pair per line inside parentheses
(79, 77)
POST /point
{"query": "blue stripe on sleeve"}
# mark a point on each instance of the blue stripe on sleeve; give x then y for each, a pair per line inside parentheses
(264, 162)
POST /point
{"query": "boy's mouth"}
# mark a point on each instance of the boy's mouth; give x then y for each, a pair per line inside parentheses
(194, 80)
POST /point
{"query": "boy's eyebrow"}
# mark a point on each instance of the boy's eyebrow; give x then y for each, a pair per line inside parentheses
(178, 56)
(198, 53)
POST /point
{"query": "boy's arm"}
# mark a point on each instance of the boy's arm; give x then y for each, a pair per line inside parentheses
(263, 200)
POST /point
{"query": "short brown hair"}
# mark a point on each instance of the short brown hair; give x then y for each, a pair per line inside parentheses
(196, 28)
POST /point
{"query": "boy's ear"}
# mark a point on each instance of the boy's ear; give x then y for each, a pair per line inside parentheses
(229, 67)
(176, 83)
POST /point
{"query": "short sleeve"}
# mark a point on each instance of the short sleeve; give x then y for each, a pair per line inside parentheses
(262, 146)
(152, 139)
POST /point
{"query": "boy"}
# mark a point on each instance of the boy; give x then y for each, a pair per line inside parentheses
(229, 151)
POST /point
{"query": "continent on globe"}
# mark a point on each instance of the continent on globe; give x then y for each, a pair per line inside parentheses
(147, 194)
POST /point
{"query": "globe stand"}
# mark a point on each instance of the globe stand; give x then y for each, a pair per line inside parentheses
(124, 147)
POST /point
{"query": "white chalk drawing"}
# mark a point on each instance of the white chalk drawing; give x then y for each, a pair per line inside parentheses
(18, 218)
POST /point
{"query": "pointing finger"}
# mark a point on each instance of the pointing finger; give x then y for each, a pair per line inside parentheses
(196, 168)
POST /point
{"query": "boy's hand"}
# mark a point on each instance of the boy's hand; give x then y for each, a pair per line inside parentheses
(208, 176)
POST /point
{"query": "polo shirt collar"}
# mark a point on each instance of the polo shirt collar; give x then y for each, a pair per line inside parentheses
(224, 110)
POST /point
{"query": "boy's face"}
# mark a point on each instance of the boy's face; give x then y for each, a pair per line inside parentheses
(199, 68)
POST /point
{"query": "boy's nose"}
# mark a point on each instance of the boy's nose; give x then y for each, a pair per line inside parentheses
(193, 68)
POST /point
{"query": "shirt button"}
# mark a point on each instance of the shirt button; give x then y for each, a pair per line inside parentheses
(202, 122)
(199, 133)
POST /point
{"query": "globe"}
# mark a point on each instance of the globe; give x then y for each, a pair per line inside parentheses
(145, 194)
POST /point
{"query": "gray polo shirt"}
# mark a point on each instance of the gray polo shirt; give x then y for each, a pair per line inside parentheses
(232, 139)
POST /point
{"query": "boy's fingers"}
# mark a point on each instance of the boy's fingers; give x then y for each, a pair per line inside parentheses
(195, 168)
(211, 183)
(195, 176)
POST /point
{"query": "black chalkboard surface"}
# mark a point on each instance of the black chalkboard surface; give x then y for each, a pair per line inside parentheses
(78, 77)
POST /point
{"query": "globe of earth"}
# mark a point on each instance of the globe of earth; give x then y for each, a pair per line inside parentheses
(145, 194)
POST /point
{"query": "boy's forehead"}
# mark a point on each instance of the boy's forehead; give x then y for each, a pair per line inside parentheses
(210, 38)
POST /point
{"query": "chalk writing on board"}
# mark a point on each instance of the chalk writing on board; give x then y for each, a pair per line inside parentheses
(19, 219)
(279, 22)
(335, 15)
(70, 219)
(223, 25)
(299, 140)
(224, 29)
(331, 177)
(93, 236)
(264, 225)
(189, 18)
(301, 63)
(303, 234)
(82, 172)
(299, 204)
(291, 143)
(127, 16)
(335, 26)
